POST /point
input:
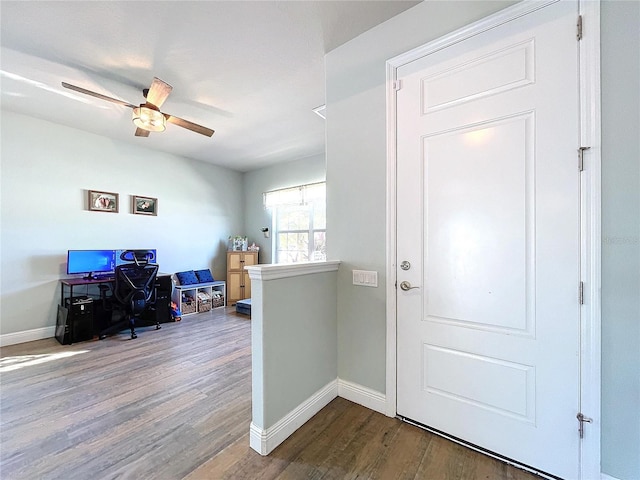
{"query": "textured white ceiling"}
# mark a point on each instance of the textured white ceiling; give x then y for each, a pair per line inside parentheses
(251, 70)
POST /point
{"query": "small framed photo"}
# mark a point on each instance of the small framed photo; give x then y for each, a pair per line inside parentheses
(103, 201)
(145, 205)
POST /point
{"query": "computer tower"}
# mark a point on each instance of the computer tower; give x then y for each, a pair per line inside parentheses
(159, 309)
(78, 325)
(164, 282)
(162, 306)
(164, 286)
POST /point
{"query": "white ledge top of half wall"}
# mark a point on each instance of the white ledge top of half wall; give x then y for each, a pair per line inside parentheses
(286, 270)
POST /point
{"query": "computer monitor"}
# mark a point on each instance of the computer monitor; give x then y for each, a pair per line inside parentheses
(90, 262)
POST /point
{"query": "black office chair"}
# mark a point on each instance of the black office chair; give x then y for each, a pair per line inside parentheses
(133, 289)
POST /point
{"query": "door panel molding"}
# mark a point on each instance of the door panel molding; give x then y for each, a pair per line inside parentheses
(439, 363)
(516, 63)
(590, 118)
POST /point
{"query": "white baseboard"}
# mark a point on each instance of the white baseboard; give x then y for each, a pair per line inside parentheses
(362, 396)
(27, 336)
(265, 441)
(604, 476)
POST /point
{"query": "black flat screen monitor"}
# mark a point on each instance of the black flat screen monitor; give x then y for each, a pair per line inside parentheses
(89, 262)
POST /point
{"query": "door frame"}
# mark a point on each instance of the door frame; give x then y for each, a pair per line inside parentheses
(590, 210)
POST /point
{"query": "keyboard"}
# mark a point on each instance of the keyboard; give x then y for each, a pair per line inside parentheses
(104, 277)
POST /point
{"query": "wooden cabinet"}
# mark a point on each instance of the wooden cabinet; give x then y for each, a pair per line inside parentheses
(238, 282)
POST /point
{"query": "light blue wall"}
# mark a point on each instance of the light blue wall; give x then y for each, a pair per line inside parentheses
(356, 172)
(293, 341)
(283, 175)
(46, 170)
(620, 37)
(356, 176)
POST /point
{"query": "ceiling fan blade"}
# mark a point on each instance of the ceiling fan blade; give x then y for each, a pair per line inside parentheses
(158, 92)
(97, 95)
(181, 122)
(141, 132)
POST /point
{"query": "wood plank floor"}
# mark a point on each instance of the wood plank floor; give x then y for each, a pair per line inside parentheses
(176, 404)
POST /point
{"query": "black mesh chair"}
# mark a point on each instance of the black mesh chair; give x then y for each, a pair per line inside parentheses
(133, 289)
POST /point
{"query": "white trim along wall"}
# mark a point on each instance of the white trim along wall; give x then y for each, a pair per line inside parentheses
(265, 441)
(27, 336)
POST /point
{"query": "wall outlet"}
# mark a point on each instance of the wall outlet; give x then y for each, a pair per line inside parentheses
(365, 278)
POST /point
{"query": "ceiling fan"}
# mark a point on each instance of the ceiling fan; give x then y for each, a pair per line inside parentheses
(147, 116)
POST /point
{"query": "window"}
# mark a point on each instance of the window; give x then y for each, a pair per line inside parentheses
(299, 223)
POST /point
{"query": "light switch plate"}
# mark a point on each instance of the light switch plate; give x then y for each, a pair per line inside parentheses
(365, 278)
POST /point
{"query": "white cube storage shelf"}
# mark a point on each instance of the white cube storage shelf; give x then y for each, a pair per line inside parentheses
(188, 308)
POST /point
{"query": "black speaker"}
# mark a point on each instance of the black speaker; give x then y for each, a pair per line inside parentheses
(63, 334)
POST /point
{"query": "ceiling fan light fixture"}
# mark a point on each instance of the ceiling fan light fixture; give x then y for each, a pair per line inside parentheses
(147, 116)
(149, 119)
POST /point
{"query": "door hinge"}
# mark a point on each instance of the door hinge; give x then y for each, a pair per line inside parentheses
(581, 151)
(582, 419)
(581, 294)
(579, 27)
(397, 85)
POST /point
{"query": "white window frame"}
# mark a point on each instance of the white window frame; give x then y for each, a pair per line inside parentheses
(303, 195)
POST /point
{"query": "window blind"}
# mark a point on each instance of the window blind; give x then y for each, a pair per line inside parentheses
(300, 195)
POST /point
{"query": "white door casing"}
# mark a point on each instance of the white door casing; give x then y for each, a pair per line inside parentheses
(487, 157)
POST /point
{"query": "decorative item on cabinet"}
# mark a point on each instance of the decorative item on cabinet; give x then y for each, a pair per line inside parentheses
(238, 243)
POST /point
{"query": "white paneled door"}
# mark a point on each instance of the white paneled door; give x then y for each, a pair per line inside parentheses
(488, 240)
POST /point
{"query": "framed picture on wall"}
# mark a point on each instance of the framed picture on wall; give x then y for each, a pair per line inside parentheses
(145, 205)
(103, 201)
